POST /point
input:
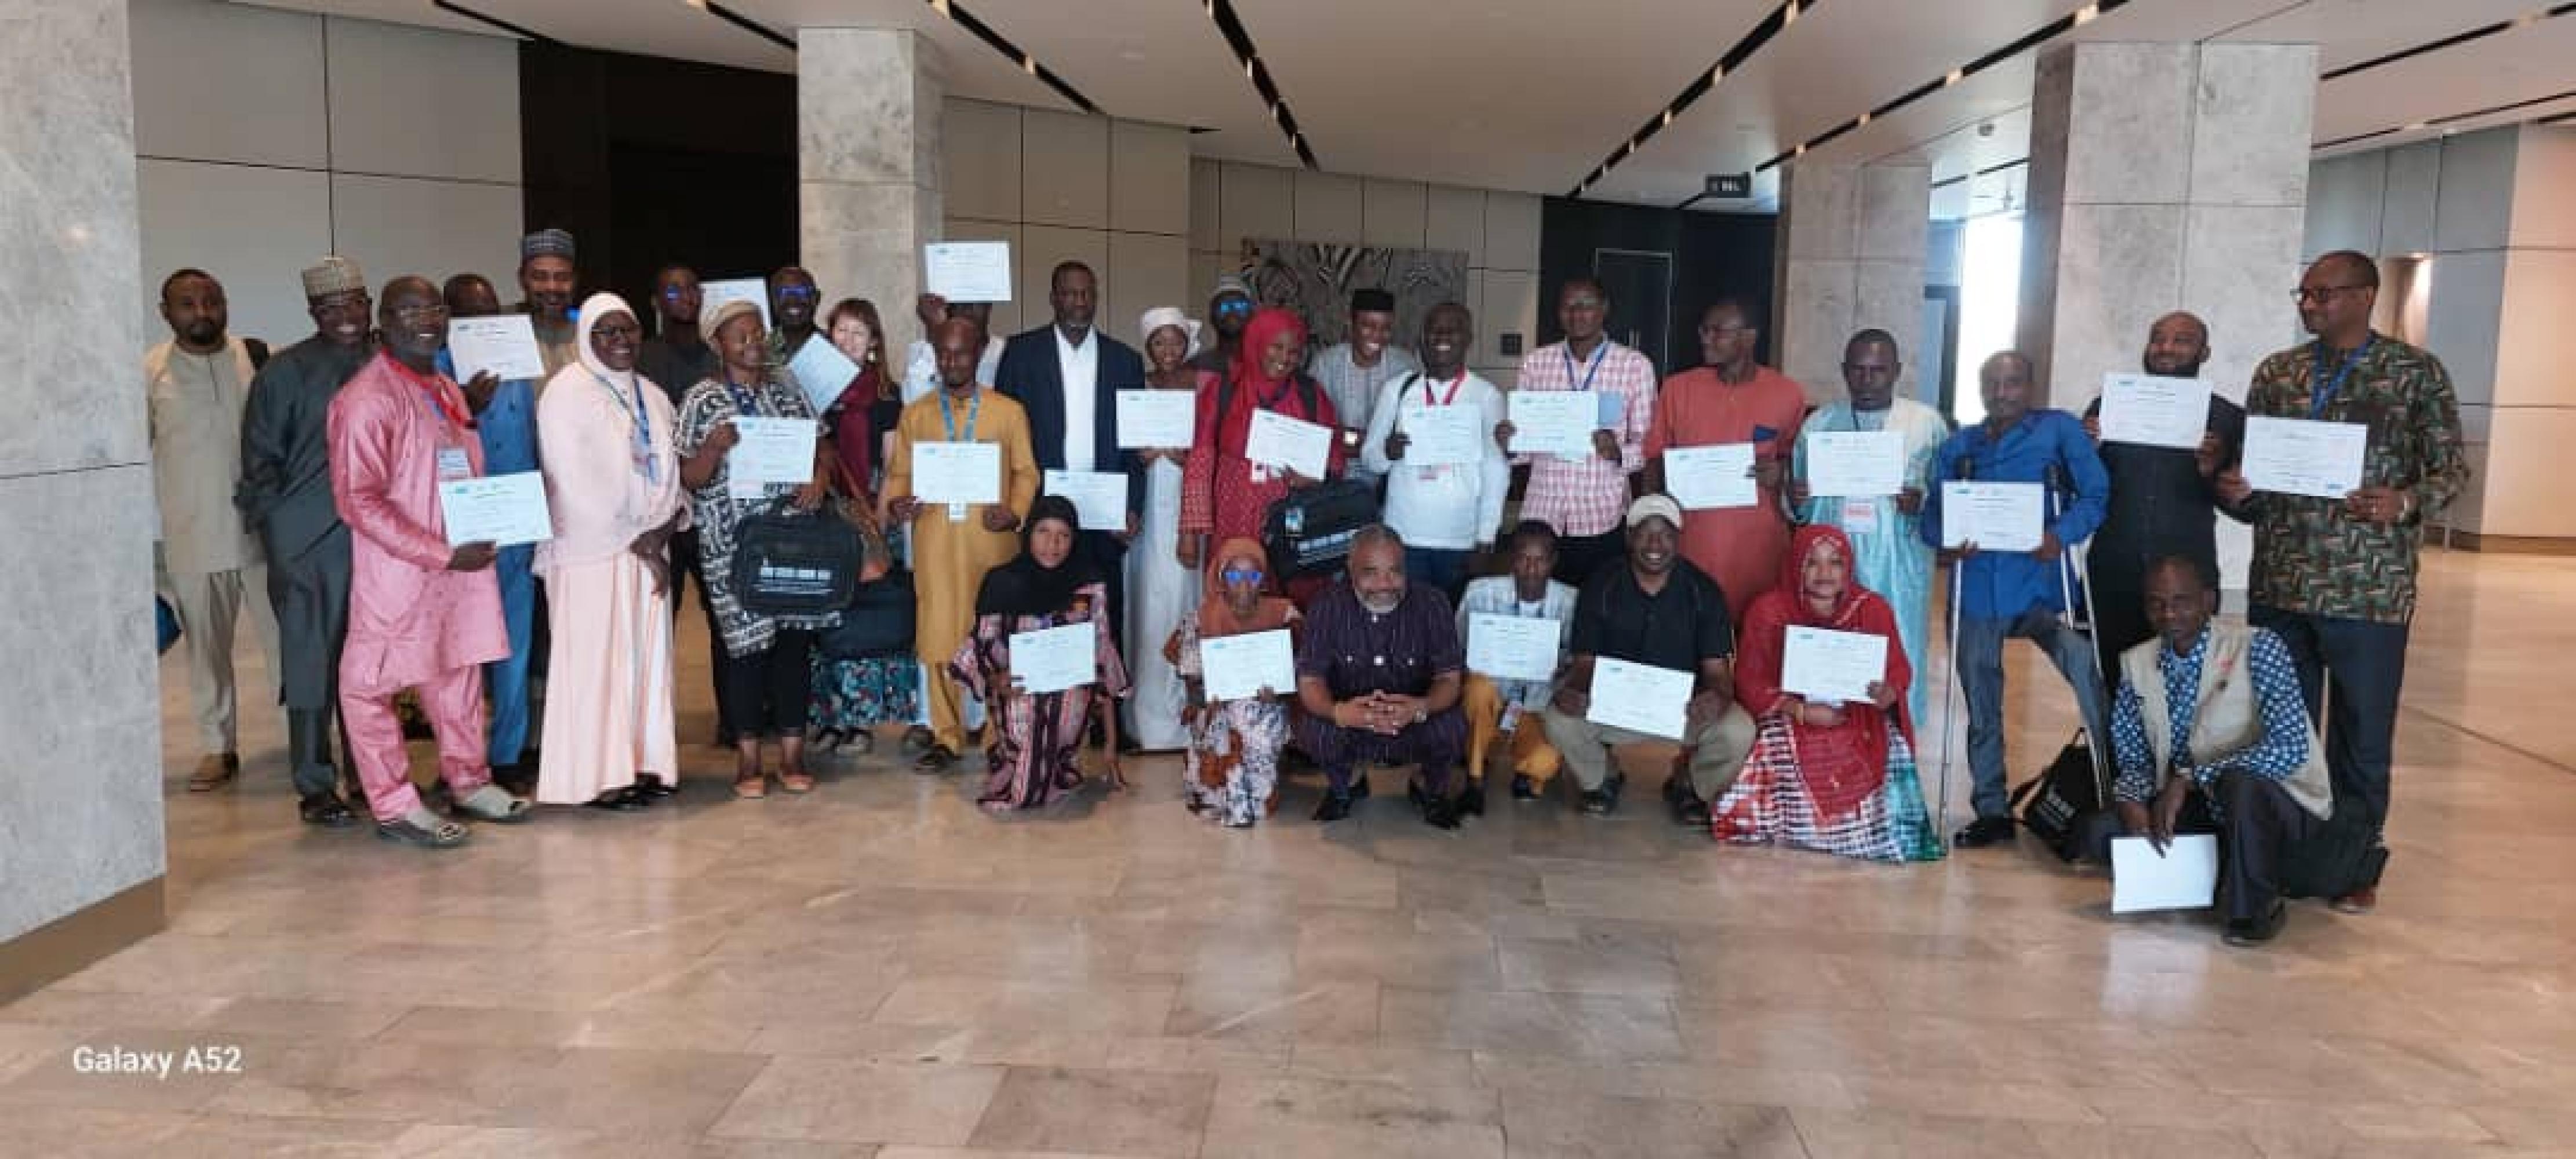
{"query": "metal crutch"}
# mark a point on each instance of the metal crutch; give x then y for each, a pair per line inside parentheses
(1967, 472)
(2075, 556)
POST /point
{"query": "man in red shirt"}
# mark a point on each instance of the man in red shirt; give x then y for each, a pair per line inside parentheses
(1731, 399)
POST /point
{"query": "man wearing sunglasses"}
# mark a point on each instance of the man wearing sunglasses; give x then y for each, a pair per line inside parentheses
(1229, 311)
(792, 299)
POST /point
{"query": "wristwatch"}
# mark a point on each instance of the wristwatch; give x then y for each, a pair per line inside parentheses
(1419, 716)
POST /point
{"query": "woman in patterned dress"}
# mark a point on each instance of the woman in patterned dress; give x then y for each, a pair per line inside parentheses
(1036, 753)
(850, 697)
(1232, 763)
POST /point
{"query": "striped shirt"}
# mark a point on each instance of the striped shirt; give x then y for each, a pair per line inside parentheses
(1587, 497)
(1355, 651)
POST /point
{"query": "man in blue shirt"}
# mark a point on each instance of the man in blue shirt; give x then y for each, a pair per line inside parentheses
(2007, 594)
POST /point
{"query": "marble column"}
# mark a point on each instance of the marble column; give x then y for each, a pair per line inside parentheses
(81, 851)
(1851, 258)
(868, 153)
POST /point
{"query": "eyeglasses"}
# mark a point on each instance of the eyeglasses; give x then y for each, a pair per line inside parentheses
(616, 330)
(2305, 294)
(1241, 575)
(411, 313)
(798, 293)
(1232, 305)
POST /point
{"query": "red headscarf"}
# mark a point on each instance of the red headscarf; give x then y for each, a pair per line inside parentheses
(1216, 616)
(1266, 326)
(1838, 776)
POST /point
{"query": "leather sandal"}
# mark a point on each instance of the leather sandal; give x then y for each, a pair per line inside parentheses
(936, 760)
(214, 772)
(751, 788)
(797, 782)
(447, 834)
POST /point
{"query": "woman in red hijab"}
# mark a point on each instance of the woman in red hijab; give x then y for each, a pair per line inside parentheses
(1838, 778)
(1224, 495)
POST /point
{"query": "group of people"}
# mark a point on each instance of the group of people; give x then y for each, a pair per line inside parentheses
(315, 473)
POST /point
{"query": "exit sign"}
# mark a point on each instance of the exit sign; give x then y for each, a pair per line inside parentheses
(1730, 185)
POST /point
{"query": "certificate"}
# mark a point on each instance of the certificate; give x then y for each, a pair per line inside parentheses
(1831, 667)
(1443, 436)
(1512, 647)
(504, 344)
(1236, 667)
(1099, 497)
(1554, 422)
(1055, 659)
(967, 271)
(771, 451)
(1994, 516)
(501, 510)
(1279, 441)
(823, 371)
(2300, 457)
(2154, 411)
(1640, 697)
(2184, 877)
(1720, 475)
(1855, 464)
(1156, 419)
(714, 294)
(957, 473)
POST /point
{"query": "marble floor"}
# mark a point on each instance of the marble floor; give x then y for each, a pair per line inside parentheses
(879, 969)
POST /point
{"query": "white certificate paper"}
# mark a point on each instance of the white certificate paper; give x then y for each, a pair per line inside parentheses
(1279, 441)
(1443, 436)
(1157, 419)
(1099, 497)
(714, 294)
(2301, 457)
(502, 510)
(957, 472)
(771, 451)
(1831, 667)
(1055, 659)
(2153, 411)
(505, 344)
(1554, 422)
(2186, 877)
(1994, 516)
(1640, 697)
(1855, 464)
(1719, 475)
(1512, 647)
(967, 271)
(822, 371)
(1235, 667)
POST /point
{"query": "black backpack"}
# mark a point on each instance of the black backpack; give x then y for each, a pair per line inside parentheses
(795, 563)
(2061, 805)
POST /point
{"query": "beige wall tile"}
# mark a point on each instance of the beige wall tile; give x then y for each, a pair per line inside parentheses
(1454, 219)
(395, 226)
(1064, 169)
(1145, 270)
(253, 228)
(1393, 213)
(982, 147)
(386, 76)
(1511, 231)
(1254, 201)
(228, 82)
(1327, 207)
(1149, 178)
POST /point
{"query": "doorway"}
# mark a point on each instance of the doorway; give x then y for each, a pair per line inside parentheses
(1640, 284)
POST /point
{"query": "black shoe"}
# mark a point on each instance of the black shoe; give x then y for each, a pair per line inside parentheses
(1335, 807)
(655, 788)
(2256, 931)
(1523, 790)
(1440, 814)
(1472, 802)
(1676, 791)
(625, 800)
(1359, 789)
(1413, 792)
(1599, 802)
(327, 811)
(1616, 786)
(1692, 813)
(1984, 831)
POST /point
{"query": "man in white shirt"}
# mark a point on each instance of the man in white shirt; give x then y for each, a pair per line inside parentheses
(1444, 510)
(1499, 708)
(1353, 373)
(921, 363)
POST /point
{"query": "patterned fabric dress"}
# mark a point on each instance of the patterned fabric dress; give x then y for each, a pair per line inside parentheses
(1036, 754)
(849, 695)
(1231, 767)
(717, 514)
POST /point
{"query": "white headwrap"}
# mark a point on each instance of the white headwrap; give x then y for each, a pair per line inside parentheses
(593, 310)
(1161, 316)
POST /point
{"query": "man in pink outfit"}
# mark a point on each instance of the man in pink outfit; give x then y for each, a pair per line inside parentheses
(422, 614)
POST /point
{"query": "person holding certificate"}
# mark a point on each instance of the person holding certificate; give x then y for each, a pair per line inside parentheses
(1035, 754)
(1356, 371)
(1731, 398)
(1825, 775)
(1499, 707)
(1224, 494)
(2004, 594)
(1232, 762)
(612, 474)
(955, 542)
(2335, 578)
(1582, 497)
(1162, 587)
(1378, 674)
(1444, 495)
(768, 658)
(2164, 498)
(852, 697)
(1655, 609)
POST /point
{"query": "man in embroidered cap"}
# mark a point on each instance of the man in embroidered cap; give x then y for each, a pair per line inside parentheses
(1356, 370)
(546, 277)
(1229, 311)
(285, 498)
(505, 422)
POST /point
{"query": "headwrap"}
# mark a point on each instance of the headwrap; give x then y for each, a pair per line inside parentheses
(1161, 316)
(1025, 587)
(1216, 616)
(333, 275)
(595, 309)
(1372, 301)
(1833, 788)
(1793, 577)
(1266, 326)
(546, 243)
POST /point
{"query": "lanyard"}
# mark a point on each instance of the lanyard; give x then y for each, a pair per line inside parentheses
(948, 416)
(643, 427)
(743, 400)
(2322, 389)
(1455, 385)
(440, 406)
(1592, 366)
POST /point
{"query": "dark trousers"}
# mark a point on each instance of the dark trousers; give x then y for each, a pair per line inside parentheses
(1578, 556)
(1106, 552)
(769, 687)
(1442, 568)
(2119, 620)
(1435, 744)
(308, 752)
(2260, 829)
(719, 665)
(2350, 672)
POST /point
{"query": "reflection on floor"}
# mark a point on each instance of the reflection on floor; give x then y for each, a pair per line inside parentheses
(878, 969)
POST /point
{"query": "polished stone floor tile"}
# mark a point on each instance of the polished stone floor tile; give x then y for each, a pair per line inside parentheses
(1106, 1112)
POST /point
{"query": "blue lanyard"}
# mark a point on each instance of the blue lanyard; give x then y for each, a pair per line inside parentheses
(948, 416)
(2321, 389)
(1600, 354)
(644, 461)
(743, 399)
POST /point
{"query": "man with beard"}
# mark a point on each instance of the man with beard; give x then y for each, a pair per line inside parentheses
(546, 277)
(285, 497)
(422, 614)
(195, 386)
(1356, 371)
(1229, 311)
(792, 299)
(2164, 500)
(1378, 675)
(1066, 375)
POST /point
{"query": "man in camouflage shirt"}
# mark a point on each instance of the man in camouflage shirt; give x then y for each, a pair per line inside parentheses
(2335, 578)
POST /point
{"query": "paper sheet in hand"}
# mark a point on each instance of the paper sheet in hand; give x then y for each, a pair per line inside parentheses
(1994, 516)
(1511, 647)
(1831, 667)
(1855, 464)
(2186, 877)
(2153, 411)
(2300, 457)
(1235, 667)
(1157, 419)
(1055, 659)
(822, 371)
(771, 451)
(1443, 436)
(957, 472)
(1640, 697)
(1554, 422)
(714, 294)
(1099, 497)
(505, 344)
(1720, 475)
(967, 271)
(1279, 441)
(502, 510)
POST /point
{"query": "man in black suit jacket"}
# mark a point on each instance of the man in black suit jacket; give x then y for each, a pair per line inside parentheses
(1042, 370)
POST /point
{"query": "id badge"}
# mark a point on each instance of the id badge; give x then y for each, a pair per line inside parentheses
(1260, 473)
(1511, 718)
(957, 512)
(1860, 516)
(453, 464)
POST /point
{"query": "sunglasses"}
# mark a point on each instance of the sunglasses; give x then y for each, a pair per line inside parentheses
(798, 294)
(1234, 306)
(1241, 575)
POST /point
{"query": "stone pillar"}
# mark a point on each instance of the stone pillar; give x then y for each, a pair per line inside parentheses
(868, 155)
(81, 848)
(1852, 258)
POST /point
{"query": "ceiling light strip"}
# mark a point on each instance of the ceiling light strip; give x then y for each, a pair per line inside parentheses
(1751, 42)
(466, 13)
(1248, 57)
(2456, 118)
(2453, 41)
(745, 23)
(1019, 59)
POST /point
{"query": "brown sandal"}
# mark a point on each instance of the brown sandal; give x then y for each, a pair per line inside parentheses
(214, 772)
(751, 788)
(797, 782)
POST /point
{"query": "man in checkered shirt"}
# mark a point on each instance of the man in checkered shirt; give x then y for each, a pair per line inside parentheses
(1583, 499)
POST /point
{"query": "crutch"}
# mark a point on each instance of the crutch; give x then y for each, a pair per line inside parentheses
(2075, 556)
(1967, 472)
